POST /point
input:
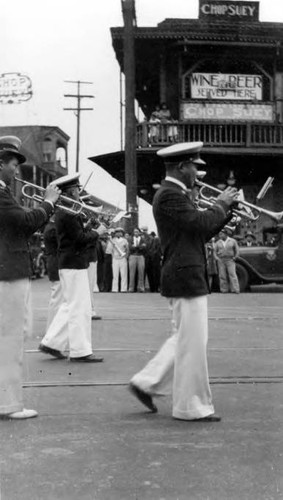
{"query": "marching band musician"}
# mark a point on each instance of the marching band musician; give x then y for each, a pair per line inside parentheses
(16, 226)
(72, 324)
(120, 251)
(92, 275)
(181, 363)
(51, 252)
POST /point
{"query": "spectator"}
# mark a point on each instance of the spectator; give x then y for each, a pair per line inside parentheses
(154, 125)
(107, 263)
(147, 267)
(120, 250)
(165, 117)
(250, 240)
(211, 263)
(154, 263)
(137, 261)
(226, 251)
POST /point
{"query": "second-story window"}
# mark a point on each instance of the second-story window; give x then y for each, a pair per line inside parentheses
(47, 149)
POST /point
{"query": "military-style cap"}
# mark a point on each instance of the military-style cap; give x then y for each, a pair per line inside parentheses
(119, 229)
(184, 151)
(11, 144)
(67, 181)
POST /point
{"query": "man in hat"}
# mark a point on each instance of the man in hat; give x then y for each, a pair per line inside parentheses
(250, 240)
(16, 226)
(120, 251)
(183, 230)
(226, 251)
(71, 327)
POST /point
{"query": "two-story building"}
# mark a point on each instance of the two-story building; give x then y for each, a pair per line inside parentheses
(216, 79)
(46, 151)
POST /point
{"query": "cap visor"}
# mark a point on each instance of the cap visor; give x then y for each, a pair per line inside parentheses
(21, 158)
(199, 161)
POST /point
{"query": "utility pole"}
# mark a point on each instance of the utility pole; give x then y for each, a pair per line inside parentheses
(129, 15)
(78, 110)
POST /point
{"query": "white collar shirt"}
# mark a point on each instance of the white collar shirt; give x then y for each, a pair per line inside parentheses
(176, 181)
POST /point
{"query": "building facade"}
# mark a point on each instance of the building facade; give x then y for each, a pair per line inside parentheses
(46, 150)
(217, 79)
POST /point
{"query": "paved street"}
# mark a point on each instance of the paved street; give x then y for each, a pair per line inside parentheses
(94, 441)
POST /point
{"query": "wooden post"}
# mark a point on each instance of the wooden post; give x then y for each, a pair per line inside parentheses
(162, 79)
(128, 9)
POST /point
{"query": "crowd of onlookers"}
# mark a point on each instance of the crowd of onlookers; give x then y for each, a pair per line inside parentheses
(128, 262)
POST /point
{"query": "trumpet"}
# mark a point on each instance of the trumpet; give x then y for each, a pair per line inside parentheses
(236, 219)
(252, 212)
(70, 205)
(101, 216)
(64, 202)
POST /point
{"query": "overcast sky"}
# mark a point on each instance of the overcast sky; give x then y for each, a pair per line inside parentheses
(69, 40)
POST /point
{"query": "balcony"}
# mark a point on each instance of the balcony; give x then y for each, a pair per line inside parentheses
(249, 137)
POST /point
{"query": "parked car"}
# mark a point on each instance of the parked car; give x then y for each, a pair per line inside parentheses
(258, 265)
(36, 246)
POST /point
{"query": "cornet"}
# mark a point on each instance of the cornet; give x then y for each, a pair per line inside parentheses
(64, 202)
(253, 212)
(101, 216)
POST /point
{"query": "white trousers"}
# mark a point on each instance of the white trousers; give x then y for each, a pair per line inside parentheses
(92, 279)
(55, 301)
(71, 326)
(120, 266)
(181, 363)
(15, 321)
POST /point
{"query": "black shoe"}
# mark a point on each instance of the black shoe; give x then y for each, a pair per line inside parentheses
(95, 316)
(91, 358)
(143, 397)
(209, 418)
(53, 352)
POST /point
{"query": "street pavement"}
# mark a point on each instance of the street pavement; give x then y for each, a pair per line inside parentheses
(94, 441)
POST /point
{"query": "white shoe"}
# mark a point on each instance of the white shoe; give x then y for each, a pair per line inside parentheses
(20, 415)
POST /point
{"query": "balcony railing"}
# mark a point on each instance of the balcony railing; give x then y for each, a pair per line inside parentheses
(246, 135)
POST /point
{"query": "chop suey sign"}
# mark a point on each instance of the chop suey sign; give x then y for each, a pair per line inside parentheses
(235, 11)
(15, 88)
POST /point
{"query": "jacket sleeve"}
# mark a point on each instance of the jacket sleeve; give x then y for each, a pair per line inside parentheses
(25, 221)
(74, 229)
(181, 212)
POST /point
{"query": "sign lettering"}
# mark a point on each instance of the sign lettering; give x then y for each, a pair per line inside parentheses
(221, 9)
(14, 88)
(225, 86)
(226, 111)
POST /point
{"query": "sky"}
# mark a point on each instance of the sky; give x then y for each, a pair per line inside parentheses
(63, 40)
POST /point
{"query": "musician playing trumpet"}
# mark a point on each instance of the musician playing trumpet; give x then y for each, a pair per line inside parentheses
(71, 327)
(120, 253)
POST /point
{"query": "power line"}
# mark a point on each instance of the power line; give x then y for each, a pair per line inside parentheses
(78, 110)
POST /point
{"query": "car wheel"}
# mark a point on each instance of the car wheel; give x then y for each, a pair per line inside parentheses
(243, 277)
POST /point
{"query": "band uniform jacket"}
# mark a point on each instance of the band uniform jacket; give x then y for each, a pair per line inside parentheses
(73, 241)
(51, 251)
(183, 232)
(16, 227)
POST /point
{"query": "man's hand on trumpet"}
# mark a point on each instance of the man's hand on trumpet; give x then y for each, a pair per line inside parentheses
(228, 196)
(52, 194)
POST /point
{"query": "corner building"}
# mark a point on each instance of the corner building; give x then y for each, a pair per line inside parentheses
(221, 76)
